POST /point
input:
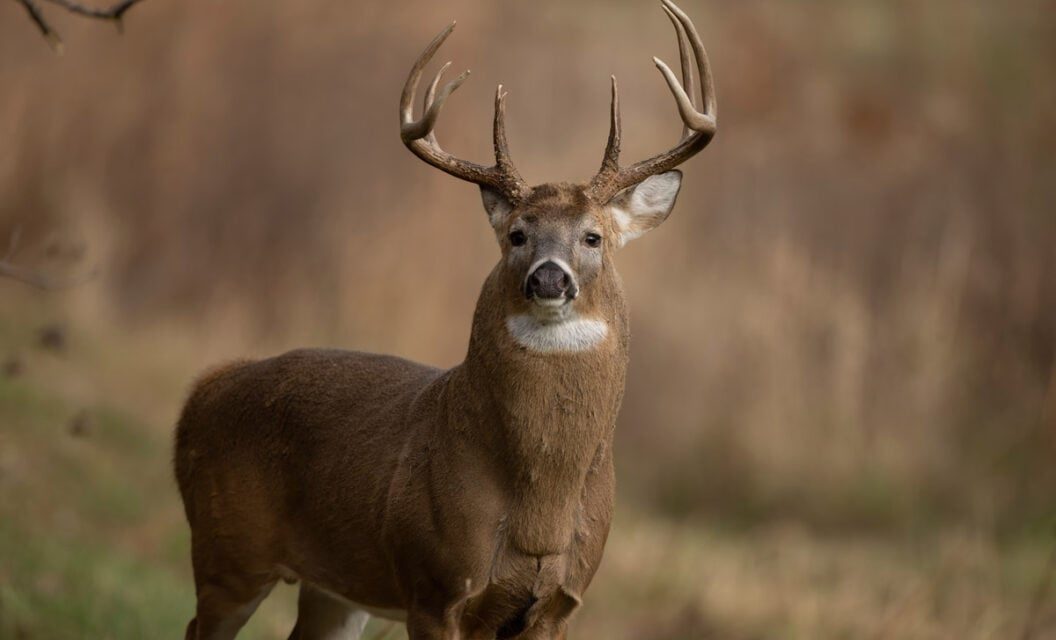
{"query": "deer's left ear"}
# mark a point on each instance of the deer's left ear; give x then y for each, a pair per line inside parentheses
(644, 206)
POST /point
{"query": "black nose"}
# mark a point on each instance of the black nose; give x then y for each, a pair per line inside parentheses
(549, 281)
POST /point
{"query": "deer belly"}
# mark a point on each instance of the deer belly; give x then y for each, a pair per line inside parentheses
(385, 613)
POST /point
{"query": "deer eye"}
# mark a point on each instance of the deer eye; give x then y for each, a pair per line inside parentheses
(517, 238)
(593, 240)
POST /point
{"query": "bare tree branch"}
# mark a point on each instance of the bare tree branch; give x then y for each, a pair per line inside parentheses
(9, 269)
(114, 14)
(45, 29)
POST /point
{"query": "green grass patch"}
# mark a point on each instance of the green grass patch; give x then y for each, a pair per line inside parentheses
(72, 588)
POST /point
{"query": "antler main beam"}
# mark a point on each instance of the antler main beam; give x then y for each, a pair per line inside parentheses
(114, 14)
(419, 135)
(698, 126)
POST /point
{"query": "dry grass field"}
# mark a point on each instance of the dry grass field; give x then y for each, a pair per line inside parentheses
(95, 545)
(840, 418)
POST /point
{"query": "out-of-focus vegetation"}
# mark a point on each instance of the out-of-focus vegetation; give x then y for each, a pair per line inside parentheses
(842, 395)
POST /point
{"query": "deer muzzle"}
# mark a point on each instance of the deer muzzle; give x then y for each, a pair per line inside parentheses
(550, 282)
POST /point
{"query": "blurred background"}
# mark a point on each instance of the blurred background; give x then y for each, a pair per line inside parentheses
(840, 419)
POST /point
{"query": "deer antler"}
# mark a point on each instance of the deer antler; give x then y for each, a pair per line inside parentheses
(698, 126)
(419, 137)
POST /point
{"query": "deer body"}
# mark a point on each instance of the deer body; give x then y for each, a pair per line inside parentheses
(473, 503)
(493, 478)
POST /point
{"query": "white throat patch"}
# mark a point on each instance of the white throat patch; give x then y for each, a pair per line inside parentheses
(574, 334)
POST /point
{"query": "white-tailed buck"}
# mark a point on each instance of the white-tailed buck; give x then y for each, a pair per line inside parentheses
(472, 503)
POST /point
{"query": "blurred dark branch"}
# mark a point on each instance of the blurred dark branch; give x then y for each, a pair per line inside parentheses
(9, 269)
(114, 13)
(38, 19)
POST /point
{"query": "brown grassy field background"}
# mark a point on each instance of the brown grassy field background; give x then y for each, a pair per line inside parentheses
(840, 419)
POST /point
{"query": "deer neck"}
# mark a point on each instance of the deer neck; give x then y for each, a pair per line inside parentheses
(546, 414)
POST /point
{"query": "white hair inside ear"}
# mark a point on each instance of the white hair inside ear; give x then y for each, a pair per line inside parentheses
(496, 205)
(644, 206)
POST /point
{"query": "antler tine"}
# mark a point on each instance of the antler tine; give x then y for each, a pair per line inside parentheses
(414, 130)
(419, 137)
(688, 81)
(610, 163)
(430, 96)
(502, 149)
(410, 88)
(698, 126)
(704, 122)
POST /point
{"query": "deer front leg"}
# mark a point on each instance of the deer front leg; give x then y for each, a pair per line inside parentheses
(550, 634)
(549, 620)
(423, 626)
(546, 631)
(441, 622)
(223, 608)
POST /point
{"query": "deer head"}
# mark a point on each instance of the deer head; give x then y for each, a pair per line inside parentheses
(557, 239)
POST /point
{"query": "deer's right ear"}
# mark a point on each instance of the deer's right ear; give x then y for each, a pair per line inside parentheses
(497, 206)
(644, 206)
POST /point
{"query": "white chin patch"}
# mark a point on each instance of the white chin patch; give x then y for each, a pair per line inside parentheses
(569, 335)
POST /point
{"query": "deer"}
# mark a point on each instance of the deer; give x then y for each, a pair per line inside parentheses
(472, 503)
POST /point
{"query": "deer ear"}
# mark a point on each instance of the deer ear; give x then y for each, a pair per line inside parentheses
(497, 206)
(644, 206)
